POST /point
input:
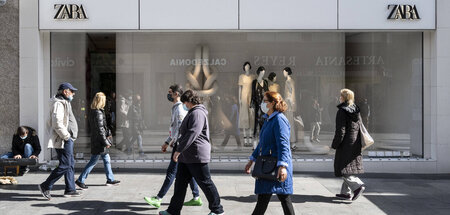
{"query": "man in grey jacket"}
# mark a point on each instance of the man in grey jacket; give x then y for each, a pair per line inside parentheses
(63, 130)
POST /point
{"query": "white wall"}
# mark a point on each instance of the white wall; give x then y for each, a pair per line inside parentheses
(441, 85)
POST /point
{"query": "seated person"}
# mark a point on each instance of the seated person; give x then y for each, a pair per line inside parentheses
(25, 144)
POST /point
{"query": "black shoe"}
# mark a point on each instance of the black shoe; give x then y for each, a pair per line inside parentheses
(72, 194)
(112, 183)
(358, 192)
(344, 196)
(81, 185)
(45, 193)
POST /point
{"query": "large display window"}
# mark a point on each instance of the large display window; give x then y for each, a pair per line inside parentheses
(308, 69)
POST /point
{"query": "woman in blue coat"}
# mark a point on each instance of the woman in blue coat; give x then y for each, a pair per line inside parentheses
(274, 141)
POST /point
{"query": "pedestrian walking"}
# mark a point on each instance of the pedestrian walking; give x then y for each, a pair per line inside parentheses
(137, 125)
(274, 140)
(101, 141)
(178, 114)
(63, 129)
(193, 154)
(347, 141)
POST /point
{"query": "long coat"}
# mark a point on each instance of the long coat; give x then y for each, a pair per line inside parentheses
(274, 140)
(347, 141)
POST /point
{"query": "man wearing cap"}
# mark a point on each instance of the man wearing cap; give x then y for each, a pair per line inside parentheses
(63, 130)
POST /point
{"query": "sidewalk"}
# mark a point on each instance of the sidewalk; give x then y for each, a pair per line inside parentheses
(313, 194)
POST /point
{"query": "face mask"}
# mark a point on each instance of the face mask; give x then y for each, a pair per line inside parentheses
(185, 107)
(23, 138)
(169, 97)
(264, 107)
(70, 98)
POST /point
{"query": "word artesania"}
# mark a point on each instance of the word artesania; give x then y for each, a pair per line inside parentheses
(70, 11)
(403, 12)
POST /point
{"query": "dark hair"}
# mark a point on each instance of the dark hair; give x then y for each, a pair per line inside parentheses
(21, 131)
(272, 75)
(191, 96)
(176, 88)
(288, 70)
(261, 68)
(280, 105)
(245, 64)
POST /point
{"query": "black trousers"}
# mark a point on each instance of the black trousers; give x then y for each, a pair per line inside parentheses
(263, 202)
(200, 172)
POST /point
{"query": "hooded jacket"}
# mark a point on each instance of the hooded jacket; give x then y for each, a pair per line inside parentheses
(61, 124)
(193, 144)
(347, 141)
(18, 145)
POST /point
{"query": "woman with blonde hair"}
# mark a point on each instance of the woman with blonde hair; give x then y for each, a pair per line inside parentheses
(347, 142)
(101, 140)
(274, 140)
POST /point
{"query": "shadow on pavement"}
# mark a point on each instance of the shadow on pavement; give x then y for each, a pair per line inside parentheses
(18, 197)
(29, 187)
(100, 207)
(295, 199)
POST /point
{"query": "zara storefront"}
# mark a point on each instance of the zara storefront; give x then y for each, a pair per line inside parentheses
(388, 51)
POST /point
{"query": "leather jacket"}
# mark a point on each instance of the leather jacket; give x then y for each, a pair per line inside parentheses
(99, 131)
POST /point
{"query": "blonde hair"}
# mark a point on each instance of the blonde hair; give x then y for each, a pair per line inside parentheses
(99, 101)
(348, 96)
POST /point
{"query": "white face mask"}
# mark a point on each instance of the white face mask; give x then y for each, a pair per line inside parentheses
(264, 107)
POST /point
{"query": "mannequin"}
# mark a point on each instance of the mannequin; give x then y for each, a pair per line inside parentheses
(259, 87)
(273, 86)
(289, 96)
(245, 92)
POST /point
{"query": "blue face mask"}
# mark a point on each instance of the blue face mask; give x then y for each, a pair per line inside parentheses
(185, 107)
(24, 137)
(70, 98)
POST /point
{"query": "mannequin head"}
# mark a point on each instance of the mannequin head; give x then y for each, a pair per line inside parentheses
(273, 77)
(260, 71)
(287, 72)
(247, 67)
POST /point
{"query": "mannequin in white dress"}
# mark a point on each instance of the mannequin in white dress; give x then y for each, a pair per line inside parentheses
(289, 96)
(273, 86)
(245, 112)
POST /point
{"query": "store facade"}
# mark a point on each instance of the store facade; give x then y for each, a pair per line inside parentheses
(386, 51)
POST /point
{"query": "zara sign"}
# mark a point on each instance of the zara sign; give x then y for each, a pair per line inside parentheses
(403, 12)
(70, 12)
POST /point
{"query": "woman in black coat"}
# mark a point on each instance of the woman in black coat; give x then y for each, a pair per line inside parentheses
(100, 142)
(347, 141)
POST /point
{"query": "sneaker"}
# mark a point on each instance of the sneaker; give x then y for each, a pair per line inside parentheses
(211, 213)
(317, 140)
(112, 183)
(155, 202)
(358, 192)
(194, 202)
(81, 185)
(72, 194)
(45, 193)
(344, 196)
(164, 213)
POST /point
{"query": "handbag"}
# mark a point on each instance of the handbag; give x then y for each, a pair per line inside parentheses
(366, 139)
(266, 168)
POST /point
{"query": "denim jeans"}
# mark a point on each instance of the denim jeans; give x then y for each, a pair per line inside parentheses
(65, 168)
(89, 166)
(28, 151)
(170, 177)
(200, 171)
